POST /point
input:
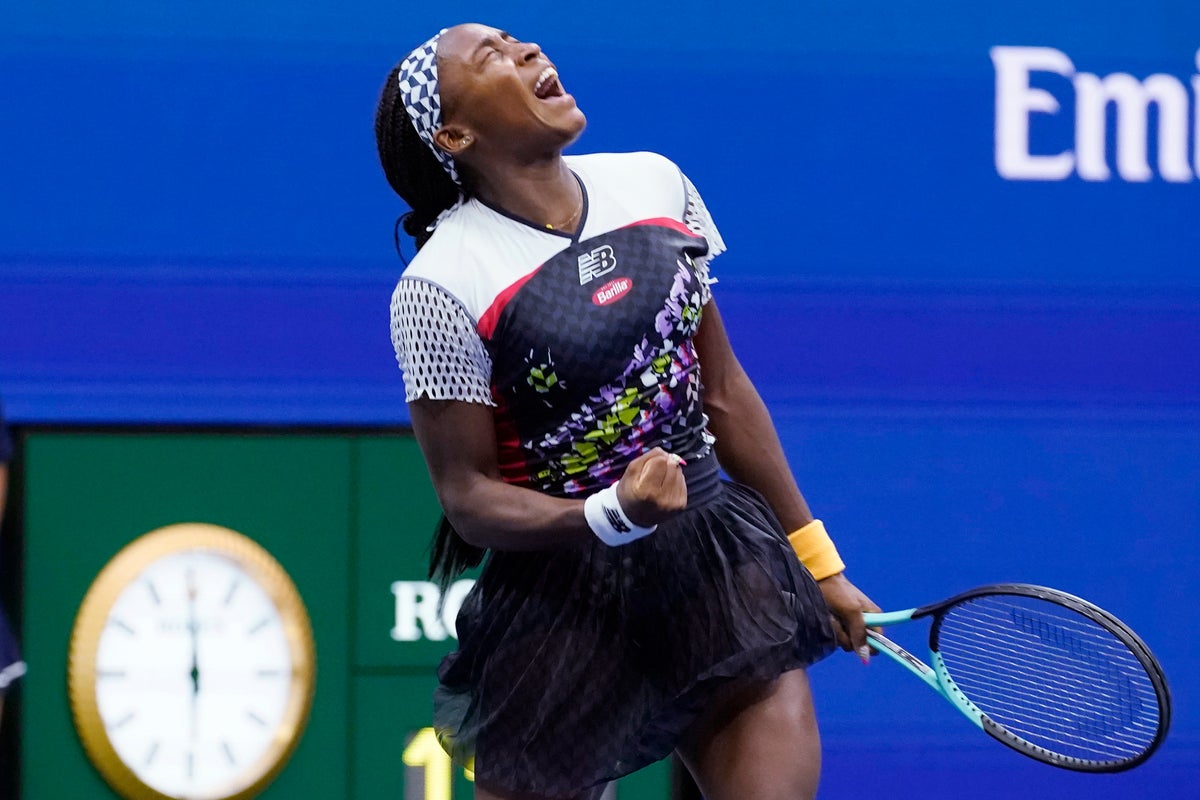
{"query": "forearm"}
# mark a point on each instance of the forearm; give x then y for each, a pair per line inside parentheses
(750, 451)
(491, 514)
(458, 440)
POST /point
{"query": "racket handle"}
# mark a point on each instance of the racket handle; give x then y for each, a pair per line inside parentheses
(879, 618)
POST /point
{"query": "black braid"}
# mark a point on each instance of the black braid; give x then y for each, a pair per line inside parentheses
(412, 170)
(418, 177)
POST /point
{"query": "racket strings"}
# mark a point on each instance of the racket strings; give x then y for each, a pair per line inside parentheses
(1051, 676)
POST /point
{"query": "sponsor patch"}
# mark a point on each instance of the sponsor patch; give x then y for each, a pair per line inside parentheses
(612, 291)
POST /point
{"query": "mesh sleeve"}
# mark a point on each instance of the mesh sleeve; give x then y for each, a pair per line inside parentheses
(437, 346)
(699, 221)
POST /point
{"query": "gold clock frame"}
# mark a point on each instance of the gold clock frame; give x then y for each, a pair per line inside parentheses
(125, 567)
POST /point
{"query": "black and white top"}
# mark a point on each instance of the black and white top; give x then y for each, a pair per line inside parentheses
(582, 343)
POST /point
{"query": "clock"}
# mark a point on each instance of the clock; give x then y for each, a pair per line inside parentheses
(192, 667)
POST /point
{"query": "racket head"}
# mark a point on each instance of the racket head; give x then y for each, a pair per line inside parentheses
(1056, 678)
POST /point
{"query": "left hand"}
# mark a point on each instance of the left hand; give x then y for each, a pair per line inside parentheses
(847, 604)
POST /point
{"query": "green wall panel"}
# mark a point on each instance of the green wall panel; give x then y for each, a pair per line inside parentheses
(391, 762)
(348, 516)
(397, 512)
(390, 712)
(87, 495)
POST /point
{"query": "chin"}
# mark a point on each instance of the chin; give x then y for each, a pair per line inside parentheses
(579, 128)
(576, 126)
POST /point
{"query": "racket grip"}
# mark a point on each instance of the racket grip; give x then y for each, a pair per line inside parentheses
(875, 619)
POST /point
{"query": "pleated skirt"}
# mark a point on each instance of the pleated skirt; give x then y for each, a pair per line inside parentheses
(577, 666)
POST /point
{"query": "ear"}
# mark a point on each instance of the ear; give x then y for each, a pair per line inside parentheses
(453, 139)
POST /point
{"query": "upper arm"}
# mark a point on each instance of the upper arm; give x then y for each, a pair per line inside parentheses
(458, 441)
(720, 370)
(447, 379)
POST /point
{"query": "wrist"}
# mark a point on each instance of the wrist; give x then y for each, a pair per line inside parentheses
(816, 550)
(608, 519)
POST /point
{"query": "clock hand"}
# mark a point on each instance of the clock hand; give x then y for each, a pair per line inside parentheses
(194, 633)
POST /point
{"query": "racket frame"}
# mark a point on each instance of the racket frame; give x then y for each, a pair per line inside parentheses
(937, 677)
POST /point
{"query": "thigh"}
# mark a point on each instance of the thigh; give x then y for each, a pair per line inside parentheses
(758, 741)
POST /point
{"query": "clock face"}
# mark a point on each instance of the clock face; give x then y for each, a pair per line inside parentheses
(189, 670)
(192, 674)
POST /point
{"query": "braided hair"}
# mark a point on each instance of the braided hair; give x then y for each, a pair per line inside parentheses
(412, 171)
(418, 177)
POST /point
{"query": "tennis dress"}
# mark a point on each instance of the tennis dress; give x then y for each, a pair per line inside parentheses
(11, 665)
(578, 665)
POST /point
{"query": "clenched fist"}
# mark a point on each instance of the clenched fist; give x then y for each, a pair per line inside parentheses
(652, 488)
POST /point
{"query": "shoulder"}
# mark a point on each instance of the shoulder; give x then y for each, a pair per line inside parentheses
(457, 237)
(629, 162)
(648, 180)
(640, 168)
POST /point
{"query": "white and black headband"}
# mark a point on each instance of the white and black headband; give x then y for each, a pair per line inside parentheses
(418, 77)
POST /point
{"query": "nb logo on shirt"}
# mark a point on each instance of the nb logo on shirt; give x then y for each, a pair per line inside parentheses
(594, 263)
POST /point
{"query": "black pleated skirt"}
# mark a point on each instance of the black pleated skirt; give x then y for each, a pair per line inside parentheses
(577, 666)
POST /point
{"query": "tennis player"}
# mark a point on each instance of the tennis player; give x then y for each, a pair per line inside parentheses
(575, 397)
(11, 665)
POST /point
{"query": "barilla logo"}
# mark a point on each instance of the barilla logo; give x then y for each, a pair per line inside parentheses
(612, 291)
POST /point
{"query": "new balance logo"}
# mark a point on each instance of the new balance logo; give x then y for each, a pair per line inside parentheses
(600, 261)
(615, 520)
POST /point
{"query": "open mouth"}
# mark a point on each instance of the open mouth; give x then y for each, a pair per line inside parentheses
(547, 85)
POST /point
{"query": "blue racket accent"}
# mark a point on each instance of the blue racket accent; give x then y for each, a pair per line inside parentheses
(936, 677)
(1046, 673)
(879, 618)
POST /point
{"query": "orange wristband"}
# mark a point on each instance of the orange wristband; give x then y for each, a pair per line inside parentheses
(815, 550)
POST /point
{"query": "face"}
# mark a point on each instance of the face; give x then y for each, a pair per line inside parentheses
(501, 97)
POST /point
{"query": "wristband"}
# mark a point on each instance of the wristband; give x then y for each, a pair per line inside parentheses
(607, 519)
(815, 550)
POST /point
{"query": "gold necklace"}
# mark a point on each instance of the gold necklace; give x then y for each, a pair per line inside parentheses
(569, 220)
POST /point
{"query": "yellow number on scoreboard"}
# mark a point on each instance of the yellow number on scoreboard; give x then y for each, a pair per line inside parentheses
(425, 753)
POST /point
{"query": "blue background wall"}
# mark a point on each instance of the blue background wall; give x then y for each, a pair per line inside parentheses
(976, 379)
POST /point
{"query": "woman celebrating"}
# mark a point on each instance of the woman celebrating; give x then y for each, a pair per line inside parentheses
(574, 395)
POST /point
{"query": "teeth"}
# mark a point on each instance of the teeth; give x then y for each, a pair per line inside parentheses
(546, 75)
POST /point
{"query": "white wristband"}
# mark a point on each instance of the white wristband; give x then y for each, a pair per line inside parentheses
(607, 519)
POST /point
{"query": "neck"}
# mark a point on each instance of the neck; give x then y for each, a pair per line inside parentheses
(546, 193)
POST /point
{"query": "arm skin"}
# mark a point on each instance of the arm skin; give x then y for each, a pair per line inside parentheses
(750, 452)
(458, 441)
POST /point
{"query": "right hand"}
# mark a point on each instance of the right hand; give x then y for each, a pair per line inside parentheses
(652, 488)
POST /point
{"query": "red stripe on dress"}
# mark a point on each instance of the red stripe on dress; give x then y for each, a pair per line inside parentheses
(509, 453)
(491, 318)
(664, 222)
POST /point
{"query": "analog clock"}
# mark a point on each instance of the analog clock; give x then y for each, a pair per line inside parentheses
(192, 667)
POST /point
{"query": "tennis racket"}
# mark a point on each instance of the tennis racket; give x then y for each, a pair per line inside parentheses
(1048, 674)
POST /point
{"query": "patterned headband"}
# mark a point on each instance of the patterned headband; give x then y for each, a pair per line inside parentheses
(418, 78)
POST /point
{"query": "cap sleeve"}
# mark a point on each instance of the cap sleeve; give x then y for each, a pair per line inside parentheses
(700, 222)
(437, 345)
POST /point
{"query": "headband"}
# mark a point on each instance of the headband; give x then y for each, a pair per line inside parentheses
(418, 77)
